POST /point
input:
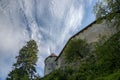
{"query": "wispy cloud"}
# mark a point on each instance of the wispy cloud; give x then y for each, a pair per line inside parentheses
(50, 22)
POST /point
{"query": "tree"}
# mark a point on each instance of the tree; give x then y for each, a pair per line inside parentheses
(24, 68)
(76, 50)
(108, 10)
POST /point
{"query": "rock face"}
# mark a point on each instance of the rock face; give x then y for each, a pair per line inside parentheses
(91, 34)
(50, 64)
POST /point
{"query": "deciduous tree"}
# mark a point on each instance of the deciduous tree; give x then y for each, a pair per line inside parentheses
(108, 10)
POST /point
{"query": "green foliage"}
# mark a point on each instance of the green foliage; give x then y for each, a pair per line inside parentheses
(60, 74)
(17, 74)
(103, 65)
(109, 52)
(113, 76)
(24, 68)
(76, 50)
(108, 10)
(106, 63)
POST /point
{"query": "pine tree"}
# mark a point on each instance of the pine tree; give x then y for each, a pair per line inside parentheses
(24, 68)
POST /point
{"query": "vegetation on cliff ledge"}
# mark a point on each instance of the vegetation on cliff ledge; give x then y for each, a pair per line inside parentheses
(103, 65)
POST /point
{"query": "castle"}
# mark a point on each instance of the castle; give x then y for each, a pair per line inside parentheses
(90, 33)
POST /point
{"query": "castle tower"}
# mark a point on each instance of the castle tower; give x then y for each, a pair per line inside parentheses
(50, 64)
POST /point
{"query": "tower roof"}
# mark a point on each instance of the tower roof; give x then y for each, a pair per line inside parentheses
(52, 55)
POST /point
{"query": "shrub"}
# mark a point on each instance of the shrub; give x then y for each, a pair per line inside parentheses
(76, 50)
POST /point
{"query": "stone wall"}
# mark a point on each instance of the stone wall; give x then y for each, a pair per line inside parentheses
(61, 61)
(91, 34)
(94, 31)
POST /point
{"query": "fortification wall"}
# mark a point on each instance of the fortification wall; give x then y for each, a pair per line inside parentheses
(91, 34)
(94, 31)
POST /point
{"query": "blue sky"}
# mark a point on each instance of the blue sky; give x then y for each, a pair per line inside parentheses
(50, 22)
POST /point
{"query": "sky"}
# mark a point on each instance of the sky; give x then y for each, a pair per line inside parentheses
(49, 22)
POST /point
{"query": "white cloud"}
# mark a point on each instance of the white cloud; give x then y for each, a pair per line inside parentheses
(4, 69)
(90, 1)
(59, 7)
(49, 22)
(74, 18)
(12, 36)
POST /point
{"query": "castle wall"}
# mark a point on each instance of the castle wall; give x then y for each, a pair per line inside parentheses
(91, 35)
(61, 61)
(93, 32)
